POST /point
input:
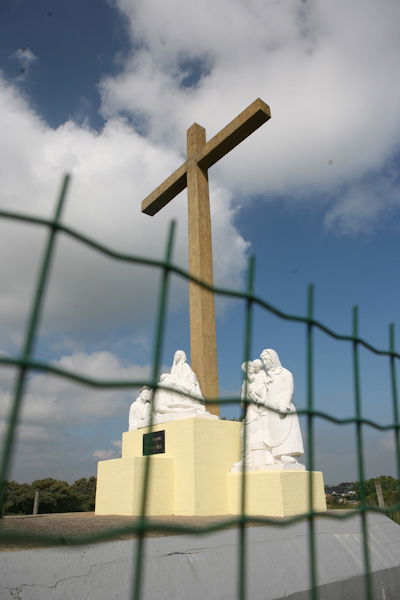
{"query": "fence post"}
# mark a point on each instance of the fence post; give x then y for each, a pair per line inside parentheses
(36, 503)
(379, 493)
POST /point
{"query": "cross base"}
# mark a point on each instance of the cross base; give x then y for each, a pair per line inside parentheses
(190, 475)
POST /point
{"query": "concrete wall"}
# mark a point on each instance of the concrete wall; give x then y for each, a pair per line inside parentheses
(198, 567)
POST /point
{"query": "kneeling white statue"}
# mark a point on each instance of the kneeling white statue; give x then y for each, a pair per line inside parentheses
(273, 437)
(139, 412)
(178, 396)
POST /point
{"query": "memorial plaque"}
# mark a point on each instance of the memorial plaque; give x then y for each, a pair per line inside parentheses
(154, 442)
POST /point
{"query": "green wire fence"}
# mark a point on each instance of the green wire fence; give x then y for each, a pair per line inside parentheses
(25, 363)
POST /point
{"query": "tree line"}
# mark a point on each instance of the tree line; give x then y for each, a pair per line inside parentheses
(390, 488)
(55, 496)
(348, 495)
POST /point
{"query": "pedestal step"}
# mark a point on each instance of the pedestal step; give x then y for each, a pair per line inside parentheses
(280, 493)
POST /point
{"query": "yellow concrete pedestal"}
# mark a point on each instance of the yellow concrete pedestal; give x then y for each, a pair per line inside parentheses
(120, 484)
(189, 478)
(192, 476)
(276, 493)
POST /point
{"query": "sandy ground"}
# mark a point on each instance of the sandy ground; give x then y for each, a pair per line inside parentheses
(65, 526)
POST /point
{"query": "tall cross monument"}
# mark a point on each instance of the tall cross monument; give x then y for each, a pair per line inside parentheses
(193, 174)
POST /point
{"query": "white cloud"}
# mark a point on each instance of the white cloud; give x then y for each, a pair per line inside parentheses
(104, 454)
(25, 58)
(328, 70)
(53, 400)
(365, 204)
(54, 411)
(111, 453)
(112, 172)
(52, 404)
(31, 433)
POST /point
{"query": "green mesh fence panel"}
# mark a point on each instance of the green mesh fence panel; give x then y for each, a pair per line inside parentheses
(25, 364)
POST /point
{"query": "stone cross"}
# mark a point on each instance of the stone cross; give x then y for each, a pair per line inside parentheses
(193, 174)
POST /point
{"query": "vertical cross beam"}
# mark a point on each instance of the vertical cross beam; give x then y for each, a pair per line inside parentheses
(203, 337)
(193, 174)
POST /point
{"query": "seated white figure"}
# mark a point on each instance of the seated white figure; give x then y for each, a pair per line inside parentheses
(139, 412)
(169, 404)
(184, 380)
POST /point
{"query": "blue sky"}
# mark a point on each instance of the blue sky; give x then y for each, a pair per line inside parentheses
(80, 40)
(106, 91)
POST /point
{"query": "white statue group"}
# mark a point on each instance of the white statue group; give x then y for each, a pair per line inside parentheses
(273, 436)
(171, 402)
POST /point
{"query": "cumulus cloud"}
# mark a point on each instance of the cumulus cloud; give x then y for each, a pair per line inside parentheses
(328, 70)
(112, 172)
(52, 400)
(366, 203)
(55, 410)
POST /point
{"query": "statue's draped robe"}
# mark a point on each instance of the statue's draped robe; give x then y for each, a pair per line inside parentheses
(185, 377)
(282, 435)
(139, 414)
(181, 378)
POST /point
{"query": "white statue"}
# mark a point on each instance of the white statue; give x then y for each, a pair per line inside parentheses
(253, 388)
(273, 439)
(169, 404)
(183, 379)
(281, 431)
(139, 412)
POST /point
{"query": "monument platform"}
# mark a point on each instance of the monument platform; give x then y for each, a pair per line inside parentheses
(188, 470)
(190, 462)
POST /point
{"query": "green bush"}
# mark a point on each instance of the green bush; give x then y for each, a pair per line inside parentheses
(19, 498)
(54, 496)
(390, 489)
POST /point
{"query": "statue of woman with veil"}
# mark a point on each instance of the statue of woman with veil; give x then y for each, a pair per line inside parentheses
(178, 396)
(273, 439)
(184, 380)
(184, 377)
(281, 430)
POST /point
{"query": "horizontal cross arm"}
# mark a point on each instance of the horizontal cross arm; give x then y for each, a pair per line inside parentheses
(235, 132)
(165, 192)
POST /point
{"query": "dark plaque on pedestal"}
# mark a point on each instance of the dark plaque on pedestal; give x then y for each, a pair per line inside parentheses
(154, 442)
